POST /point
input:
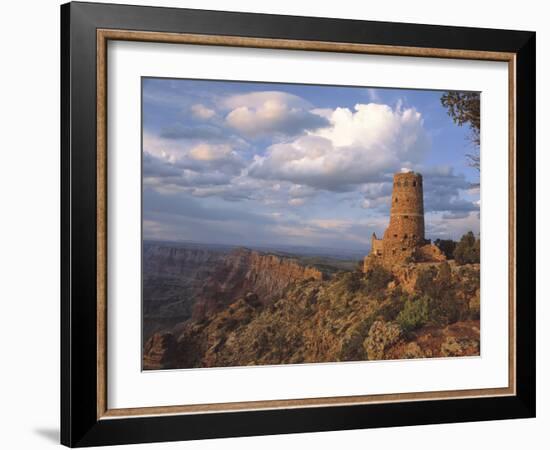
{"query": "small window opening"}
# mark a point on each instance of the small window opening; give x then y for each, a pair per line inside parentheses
(414, 183)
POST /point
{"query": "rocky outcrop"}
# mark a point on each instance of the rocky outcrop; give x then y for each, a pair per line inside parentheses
(159, 351)
(381, 336)
(458, 339)
(429, 253)
(246, 271)
(173, 277)
(264, 309)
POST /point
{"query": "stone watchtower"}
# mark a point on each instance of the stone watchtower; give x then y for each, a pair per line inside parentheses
(406, 229)
(404, 239)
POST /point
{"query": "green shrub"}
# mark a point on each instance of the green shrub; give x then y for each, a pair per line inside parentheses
(474, 307)
(447, 246)
(352, 348)
(444, 310)
(469, 280)
(425, 281)
(350, 281)
(415, 314)
(390, 310)
(467, 250)
(435, 283)
(376, 280)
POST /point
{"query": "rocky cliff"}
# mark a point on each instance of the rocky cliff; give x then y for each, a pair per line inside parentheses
(432, 311)
(173, 278)
(191, 281)
(245, 271)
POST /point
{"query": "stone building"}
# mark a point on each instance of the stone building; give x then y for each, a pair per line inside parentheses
(404, 240)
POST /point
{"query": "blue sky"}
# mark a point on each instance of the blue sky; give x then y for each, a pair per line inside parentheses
(266, 164)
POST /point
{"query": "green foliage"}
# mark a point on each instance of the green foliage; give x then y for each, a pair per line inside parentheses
(469, 280)
(352, 348)
(464, 108)
(447, 246)
(444, 277)
(415, 314)
(425, 281)
(444, 310)
(467, 250)
(474, 307)
(349, 282)
(376, 280)
(391, 309)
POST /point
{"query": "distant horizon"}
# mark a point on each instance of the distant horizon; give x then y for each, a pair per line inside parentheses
(251, 245)
(271, 165)
(358, 251)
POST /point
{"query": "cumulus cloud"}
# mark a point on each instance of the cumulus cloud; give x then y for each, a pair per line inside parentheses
(357, 147)
(202, 112)
(205, 152)
(165, 157)
(296, 201)
(267, 113)
(157, 167)
(271, 168)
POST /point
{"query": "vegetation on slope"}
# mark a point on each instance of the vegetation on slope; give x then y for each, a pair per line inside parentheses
(349, 317)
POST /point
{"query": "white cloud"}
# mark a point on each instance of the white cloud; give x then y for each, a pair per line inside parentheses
(202, 112)
(207, 152)
(162, 148)
(366, 204)
(267, 113)
(296, 201)
(255, 100)
(357, 147)
(332, 224)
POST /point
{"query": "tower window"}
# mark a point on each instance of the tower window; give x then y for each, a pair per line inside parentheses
(405, 236)
(395, 235)
(414, 183)
(405, 217)
(414, 236)
(395, 199)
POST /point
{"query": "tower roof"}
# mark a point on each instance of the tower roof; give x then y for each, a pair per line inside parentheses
(407, 175)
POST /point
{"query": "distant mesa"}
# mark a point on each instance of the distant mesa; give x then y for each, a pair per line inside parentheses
(404, 239)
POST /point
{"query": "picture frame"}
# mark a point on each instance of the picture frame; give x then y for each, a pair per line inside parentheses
(86, 29)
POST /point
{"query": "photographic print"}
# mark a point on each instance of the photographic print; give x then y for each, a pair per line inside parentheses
(294, 223)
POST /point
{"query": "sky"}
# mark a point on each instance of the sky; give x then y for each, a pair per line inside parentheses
(269, 164)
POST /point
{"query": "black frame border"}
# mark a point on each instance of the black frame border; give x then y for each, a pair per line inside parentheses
(79, 424)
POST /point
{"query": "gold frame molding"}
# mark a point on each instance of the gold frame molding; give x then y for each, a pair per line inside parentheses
(105, 35)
